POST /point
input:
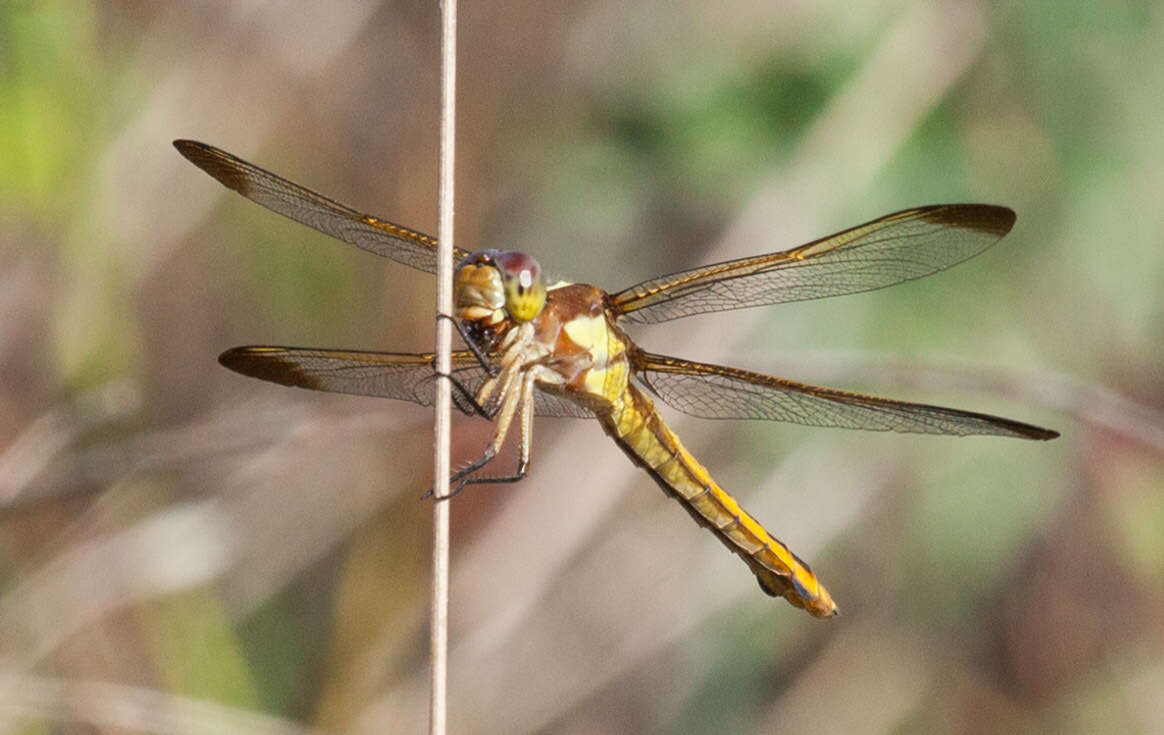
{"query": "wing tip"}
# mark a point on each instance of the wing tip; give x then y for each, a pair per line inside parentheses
(263, 363)
(1019, 429)
(1042, 434)
(234, 356)
(992, 219)
(192, 150)
(214, 161)
(240, 360)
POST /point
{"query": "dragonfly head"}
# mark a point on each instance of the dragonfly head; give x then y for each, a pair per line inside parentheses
(494, 286)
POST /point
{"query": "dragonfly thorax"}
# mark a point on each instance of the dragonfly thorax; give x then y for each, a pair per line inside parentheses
(495, 288)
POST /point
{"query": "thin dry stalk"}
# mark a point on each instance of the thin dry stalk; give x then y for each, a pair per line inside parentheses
(439, 621)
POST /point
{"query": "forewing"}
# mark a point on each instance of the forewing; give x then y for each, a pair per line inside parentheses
(716, 392)
(318, 212)
(403, 376)
(895, 248)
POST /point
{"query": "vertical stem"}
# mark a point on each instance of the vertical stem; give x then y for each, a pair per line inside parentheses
(439, 613)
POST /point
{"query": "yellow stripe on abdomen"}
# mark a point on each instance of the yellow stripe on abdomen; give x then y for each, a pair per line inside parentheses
(640, 431)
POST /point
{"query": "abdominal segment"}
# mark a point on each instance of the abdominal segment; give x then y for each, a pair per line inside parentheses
(640, 431)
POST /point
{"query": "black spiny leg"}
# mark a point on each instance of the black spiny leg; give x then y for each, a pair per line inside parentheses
(462, 477)
(467, 397)
(522, 471)
(524, 401)
(472, 345)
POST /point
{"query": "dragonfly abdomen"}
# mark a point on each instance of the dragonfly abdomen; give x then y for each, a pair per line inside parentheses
(639, 429)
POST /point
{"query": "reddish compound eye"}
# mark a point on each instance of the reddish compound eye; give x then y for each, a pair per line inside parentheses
(519, 266)
(525, 288)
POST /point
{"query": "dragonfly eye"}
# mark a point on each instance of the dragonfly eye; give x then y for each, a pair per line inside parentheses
(525, 286)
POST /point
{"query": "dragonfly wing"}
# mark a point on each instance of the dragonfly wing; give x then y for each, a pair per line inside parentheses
(318, 212)
(895, 248)
(403, 376)
(550, 404)
(716, 392)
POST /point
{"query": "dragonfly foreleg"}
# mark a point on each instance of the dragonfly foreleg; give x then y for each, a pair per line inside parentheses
(466, 398)
(471, 343)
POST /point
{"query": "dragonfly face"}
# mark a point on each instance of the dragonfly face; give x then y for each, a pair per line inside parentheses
(560, 350)
(494, 289)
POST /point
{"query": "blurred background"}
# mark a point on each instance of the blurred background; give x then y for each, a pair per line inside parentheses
(187, 550)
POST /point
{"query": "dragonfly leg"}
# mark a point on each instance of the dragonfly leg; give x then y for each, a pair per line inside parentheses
(527, 413)
(459, 479)
(472, 345)
(510, 399)
(487, 408)
(522, 471)
(466, 396)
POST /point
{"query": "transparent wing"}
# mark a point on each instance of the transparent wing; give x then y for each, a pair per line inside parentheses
(318, 212)
(895, 248)
(715, 392)
(403, 376)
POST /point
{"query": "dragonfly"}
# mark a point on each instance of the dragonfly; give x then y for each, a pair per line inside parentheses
(559, 349)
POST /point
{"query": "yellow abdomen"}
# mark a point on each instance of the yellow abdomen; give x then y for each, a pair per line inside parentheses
(639, 430)
(631, 419)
